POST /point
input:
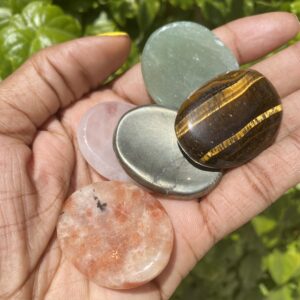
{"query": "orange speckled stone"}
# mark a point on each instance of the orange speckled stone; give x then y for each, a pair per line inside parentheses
(116, 234)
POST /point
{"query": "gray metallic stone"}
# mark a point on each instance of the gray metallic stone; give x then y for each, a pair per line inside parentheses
(180, 57)
(146, 145)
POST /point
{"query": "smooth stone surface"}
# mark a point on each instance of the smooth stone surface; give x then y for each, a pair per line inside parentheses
(146, 144)
(95, 138)
(230, 120)
(116, 234)
(180, 57)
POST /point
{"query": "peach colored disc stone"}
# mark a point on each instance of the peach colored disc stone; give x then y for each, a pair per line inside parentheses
(116, 234)
(95, 138)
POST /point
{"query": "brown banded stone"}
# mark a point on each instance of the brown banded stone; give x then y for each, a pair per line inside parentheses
(229, 120)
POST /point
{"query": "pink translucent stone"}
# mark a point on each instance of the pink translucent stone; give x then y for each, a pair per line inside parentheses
(95, 138)
(116, 234)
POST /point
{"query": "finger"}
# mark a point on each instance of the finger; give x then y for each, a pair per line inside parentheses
(248, 190)
(252, 37)
(249, 38)
(131, 86)
(283, 70)
(290, 121)
(55, 78)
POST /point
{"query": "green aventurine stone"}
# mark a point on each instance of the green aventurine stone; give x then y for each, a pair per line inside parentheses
(180, 57)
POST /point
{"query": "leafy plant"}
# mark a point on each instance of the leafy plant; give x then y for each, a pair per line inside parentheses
(261, 261)
(39, 25)
(26, 26)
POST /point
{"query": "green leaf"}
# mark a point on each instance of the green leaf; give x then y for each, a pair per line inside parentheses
(123, 9)
(263, 289)
(5, 15)
(249, 7)
(253, 294)
(183, 4)
(215, 265)
(298, 286)
(283, 265)
(38, 26)
(77, 6)
(5, 67)
(39, 15)
(285, 293)
(10, 7)
(263, 225)
(101, 24)
(250, 270)
(268, 6)
(214, 11)
(146, 13)
(295, 7)
(16, 6)
(237, 8)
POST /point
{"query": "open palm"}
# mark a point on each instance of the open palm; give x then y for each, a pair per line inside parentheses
(41, 105)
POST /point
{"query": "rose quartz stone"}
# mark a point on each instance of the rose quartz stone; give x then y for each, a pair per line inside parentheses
(116, 234)
(95, 138)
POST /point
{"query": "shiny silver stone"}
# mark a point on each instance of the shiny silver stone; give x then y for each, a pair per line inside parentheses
(146, 145)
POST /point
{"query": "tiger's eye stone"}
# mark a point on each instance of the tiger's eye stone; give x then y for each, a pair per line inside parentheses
(181, 56)
(229, 120)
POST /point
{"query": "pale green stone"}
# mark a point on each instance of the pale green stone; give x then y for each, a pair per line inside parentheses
(179, 58)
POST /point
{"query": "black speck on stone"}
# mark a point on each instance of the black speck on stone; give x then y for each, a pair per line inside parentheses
(101, 206)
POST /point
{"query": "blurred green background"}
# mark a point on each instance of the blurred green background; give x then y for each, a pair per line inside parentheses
(259, 261)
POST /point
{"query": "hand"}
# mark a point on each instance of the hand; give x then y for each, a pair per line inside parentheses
(41, 105)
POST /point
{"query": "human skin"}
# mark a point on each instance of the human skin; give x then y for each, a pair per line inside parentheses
(41, 105)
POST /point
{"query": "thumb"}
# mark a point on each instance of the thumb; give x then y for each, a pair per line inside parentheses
(53, 79)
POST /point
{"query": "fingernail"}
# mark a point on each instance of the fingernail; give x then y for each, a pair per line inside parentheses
(114, 33)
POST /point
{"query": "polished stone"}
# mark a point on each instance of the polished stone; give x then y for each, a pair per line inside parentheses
(95, 138)
(230, 120)
(180, 57)
(146, 144)
(116, 234)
